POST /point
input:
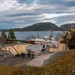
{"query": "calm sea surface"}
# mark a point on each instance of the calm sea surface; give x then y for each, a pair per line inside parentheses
(27, 34)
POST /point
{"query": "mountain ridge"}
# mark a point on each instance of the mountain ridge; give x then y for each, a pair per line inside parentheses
(45, 26)
(42, 26)
(67, 26)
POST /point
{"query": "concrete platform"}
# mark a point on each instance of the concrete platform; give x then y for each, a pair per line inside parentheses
(43, 59)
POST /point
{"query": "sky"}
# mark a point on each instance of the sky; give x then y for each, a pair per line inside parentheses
(23, 13)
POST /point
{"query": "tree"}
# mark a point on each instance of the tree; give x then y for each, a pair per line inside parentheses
(4, 37)
(69, 38)
(11, 35)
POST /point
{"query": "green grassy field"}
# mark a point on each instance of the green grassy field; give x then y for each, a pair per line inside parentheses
(64, 65)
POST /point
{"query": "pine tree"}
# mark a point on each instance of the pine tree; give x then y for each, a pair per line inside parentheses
(4, 37)
(11, 35)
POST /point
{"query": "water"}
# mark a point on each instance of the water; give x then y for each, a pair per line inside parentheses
(26, 34)
(40, 34)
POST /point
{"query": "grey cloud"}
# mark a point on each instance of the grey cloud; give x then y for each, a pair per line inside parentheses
(1, 1)
(26, 1)
(64, 19)
(29, 12)
(41, 1)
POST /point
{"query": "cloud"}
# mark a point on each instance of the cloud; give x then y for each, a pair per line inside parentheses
(69, 0)
(8, 5)
(22, 13)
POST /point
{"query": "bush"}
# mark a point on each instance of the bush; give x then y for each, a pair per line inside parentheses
(64, 65)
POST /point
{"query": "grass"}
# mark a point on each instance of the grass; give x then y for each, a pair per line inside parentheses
(64, 65)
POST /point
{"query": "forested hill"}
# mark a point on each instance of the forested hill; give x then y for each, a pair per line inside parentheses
(46, 26)
(67, 26)
(43, 26)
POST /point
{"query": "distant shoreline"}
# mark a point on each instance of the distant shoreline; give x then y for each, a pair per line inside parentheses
(33, 31)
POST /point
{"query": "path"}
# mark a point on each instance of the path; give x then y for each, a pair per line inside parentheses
(44, 59)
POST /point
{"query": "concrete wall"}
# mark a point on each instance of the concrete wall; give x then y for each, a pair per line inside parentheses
(22, 48)
(62, 47)
(19, 47)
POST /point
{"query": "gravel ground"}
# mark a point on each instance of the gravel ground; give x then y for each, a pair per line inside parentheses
(53, 58)
(19, 61)
(14, 61)
(45, 59)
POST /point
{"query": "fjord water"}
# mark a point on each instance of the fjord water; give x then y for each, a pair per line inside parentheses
(25, 34)
(41, 34)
